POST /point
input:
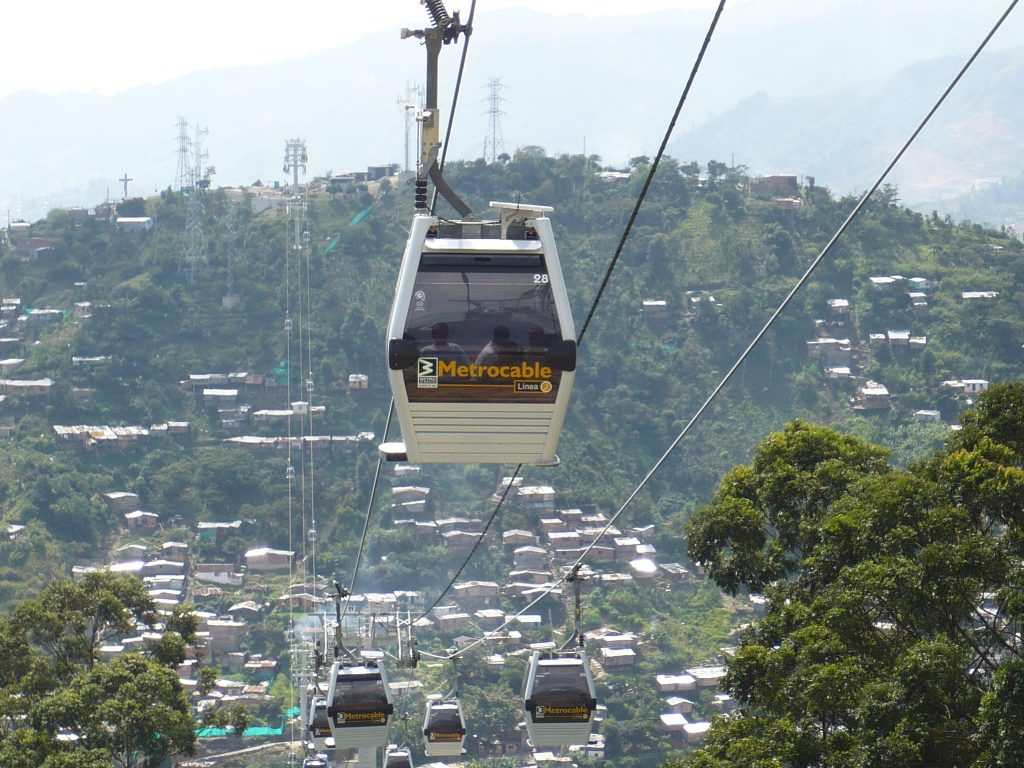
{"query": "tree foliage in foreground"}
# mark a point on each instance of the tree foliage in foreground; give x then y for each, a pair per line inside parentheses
(61, 706)
(891, 636)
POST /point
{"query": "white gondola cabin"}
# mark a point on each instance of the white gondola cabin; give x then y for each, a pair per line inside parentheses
(481, 343)
(397, 757)
(320, 725)
(359, 706)
(444, 730)
(559, 699)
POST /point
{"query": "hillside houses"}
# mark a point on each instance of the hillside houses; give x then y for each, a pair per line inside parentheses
(268, 559)
(86, 436)
(26, 387)
(872, 396)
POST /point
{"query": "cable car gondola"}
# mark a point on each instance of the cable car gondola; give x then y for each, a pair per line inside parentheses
(320, 725)
(559, 699)
(444, 730)
(398, 757)
(359, 706)
(481, 344)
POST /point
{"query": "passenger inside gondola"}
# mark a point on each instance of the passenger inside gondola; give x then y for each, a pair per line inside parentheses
(563, 686)
(444, 349)
(361, 695)
(500, 349)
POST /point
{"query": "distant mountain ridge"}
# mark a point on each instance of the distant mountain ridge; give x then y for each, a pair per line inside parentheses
(846, 138)
(606, 85)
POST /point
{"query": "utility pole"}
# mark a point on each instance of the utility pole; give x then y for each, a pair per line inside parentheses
(493, 138)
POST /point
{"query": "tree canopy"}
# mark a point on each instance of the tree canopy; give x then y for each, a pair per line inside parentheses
(81, 711)
(891, 632)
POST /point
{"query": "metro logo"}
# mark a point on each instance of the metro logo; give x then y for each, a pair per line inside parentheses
(427, 366)
(360, 718)
(437, 736)
(578, 714)
(453, 369)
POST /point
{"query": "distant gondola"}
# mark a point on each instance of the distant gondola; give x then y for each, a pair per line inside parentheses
(398, 757)
(481, 345)
(559, 699)
(444, 730)
(359, 706)
(320, 725)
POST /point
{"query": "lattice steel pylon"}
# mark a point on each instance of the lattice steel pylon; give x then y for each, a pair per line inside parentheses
(494, 142)
(411, 105)
(183, 174)
(295, 157)
(194, 257)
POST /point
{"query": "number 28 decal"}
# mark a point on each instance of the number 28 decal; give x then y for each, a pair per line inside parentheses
(540, 279)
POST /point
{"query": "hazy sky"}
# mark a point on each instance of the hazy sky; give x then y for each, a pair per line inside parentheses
(55, 46)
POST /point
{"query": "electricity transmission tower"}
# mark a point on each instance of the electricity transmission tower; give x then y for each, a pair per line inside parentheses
(295, 158)
(410, 106)
(494, 143)
(181, 176)
(192, 180)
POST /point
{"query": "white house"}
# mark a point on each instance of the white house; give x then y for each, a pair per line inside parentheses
(268, 559)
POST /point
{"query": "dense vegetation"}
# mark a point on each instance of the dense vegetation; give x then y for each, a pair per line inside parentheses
(894, 598)
(641, 377)
(61, 706)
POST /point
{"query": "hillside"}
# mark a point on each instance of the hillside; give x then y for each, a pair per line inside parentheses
(845, 135)
(130, 331)
(835, 78)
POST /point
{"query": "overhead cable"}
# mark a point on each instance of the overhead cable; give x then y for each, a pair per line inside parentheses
(767, 326)
(651, 171)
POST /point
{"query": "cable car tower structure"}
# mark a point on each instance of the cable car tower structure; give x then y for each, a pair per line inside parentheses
(481, 346)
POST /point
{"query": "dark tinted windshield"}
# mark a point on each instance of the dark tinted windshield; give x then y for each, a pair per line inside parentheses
(360, 695)
(444, 719)
(560, 683)
(482, 328)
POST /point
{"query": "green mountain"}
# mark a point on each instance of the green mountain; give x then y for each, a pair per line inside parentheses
(720, 249)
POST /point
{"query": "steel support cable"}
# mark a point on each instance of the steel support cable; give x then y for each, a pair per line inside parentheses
(651, 171)
(290, 480)
(391, 407)
(764, 330)
(296, 213)
(618, 250)
(476, 544)
(309, 399)
(366, 527)
(455, 98)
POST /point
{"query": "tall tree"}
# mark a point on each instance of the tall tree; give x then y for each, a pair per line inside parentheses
(80, 711)
(891, 633)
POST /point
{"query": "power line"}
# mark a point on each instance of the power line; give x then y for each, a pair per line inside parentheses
(366, 523)
(611, 266)
(653, 169)
(444, 151)
(455, 97)
(494, 514)
(764, 330)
